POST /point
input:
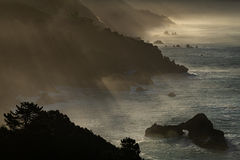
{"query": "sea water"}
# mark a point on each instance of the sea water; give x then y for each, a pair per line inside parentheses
(212, 87)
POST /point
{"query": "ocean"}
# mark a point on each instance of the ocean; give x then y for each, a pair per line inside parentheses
(212, 87)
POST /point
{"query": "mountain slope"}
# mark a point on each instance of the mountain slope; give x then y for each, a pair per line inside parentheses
(42, 48)
(124, 18)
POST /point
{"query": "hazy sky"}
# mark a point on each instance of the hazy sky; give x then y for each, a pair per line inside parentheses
(193, 7)
(206, 21)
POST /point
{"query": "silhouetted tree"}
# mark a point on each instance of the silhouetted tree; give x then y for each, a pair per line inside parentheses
(22, 116)
(3, 131)
(33, 132)
(130, 147)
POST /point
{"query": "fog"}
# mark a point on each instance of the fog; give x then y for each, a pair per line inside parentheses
(189, 8)
(96, 61)
(212, 21)
(125, 18)
(220, 31)
(45, 45)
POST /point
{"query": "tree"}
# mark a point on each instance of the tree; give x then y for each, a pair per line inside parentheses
(22, 116)
(33, 132)
(130, 146)
(3, 131)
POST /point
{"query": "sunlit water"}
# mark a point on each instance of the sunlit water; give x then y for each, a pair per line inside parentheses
(213, 89)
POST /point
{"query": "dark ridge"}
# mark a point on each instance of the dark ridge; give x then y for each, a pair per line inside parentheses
(45, 44)
(31, 132)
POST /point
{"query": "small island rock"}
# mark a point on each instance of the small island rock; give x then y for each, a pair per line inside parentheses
(172, 94)
(158, 42)
(200, 130)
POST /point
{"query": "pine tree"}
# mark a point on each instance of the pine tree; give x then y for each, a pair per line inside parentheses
(22, 116)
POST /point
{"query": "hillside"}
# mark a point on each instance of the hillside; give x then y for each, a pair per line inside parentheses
(43, 46)
(32, 132)
(124, 18)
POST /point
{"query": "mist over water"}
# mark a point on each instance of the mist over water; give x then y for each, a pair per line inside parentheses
(205, 21)
(212, 88)
(213, 30)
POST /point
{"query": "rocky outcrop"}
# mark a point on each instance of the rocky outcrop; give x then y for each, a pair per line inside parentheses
(199, 129)
(172, 94)
(163, 131)
(158, 42)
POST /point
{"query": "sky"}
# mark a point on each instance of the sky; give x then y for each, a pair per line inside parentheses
(193, 7)
(201, 21)
(197, 21)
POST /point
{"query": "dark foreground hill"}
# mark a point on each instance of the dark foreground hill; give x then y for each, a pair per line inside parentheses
(49, 43)
(31, 132)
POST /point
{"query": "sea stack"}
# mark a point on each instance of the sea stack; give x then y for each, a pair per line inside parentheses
(200, 130)
(172, 94)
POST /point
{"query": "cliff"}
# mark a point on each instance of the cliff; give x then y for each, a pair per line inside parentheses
(44, 44)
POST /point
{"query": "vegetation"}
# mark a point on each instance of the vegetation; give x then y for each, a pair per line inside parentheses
(31, 131)
(64, 41)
